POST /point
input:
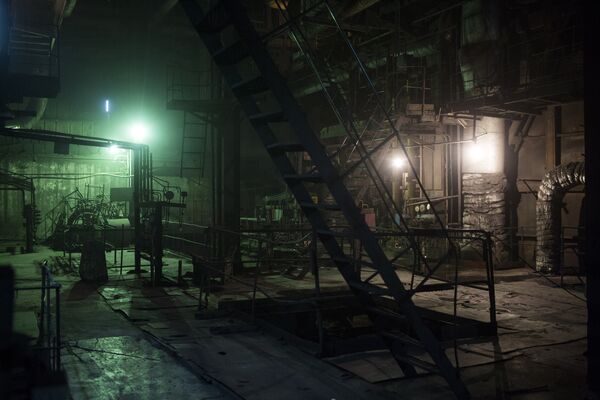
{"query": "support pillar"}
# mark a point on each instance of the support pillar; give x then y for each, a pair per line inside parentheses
(5, 22)
(512, 196)
(553, 141)
(592, 199)
(231, 186)
(137, 226)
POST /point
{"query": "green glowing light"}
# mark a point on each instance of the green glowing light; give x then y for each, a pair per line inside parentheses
(138, 131)
(114, 149)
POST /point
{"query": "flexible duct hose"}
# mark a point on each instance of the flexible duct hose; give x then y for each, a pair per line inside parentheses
(548, 209)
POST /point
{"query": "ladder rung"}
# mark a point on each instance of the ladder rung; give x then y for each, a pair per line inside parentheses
(250, 87)
(285, 147)
(321, 206)
(231, 54)
(265, 118)
(303, 177)
(369, 288)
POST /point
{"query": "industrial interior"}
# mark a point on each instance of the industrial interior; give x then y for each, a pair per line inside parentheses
(298, 199)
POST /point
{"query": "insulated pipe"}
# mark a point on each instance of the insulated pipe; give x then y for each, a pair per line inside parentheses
(548, 209)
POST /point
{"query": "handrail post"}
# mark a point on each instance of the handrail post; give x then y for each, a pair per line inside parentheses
(58, 339)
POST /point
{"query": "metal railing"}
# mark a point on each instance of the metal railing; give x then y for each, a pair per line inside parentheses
(35, 53)
(49, 340)
(257, 255)
(189, 84)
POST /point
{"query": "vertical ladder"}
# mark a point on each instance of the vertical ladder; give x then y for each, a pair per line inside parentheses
(214, 28)
(193, 144)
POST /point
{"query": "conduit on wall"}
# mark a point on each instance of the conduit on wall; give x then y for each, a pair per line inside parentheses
(548, 211)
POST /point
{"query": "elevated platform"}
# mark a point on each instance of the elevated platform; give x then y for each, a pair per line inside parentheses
(200, 106)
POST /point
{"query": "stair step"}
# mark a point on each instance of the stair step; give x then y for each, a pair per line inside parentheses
(386, 313)
(214, 20)
(303, 177)
(417, 362)
(285, 147)
(402, 337)
(321, 206)
(370, 288)
(250, 87)
(232, 54)
(434, 287)
(342, 259)
(268, 117)
(328, 232)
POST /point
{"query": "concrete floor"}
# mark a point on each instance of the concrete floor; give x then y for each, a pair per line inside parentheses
(125, 340)
(105, 356)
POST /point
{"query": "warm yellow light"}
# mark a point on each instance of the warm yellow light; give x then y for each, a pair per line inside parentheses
(475, 152)
(398, 162)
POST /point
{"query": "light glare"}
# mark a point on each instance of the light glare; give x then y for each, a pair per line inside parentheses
(397, 162)
(475, 152)
(107, 106)
(114, 149)
(138, 132)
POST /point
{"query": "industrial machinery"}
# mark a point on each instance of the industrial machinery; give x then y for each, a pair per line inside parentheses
(78, 218)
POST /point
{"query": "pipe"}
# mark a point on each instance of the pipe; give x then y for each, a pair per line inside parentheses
(356, 7)
(479, 36)
(69, 7)
(548, 211)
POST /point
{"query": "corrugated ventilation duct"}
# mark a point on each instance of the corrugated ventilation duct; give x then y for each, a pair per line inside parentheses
(548, 209)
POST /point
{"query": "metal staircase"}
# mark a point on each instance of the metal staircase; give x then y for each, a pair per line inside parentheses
(230, 38)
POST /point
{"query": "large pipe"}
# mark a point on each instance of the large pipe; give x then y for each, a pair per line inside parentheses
(548, 209)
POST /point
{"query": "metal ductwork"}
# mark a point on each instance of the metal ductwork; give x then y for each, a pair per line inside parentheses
(548, 211)
(478, 55)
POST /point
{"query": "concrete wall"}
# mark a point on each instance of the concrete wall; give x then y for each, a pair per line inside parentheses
(486, 154)
(55, 176)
